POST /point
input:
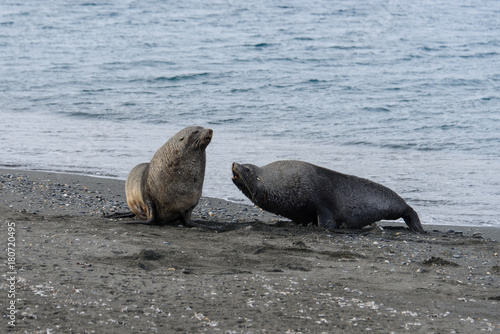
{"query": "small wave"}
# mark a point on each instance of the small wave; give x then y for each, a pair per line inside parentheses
(158, 121)
(345, 47)
(11, 166)
(241, 90)
(151, 63)
(404, 146)
(443, 127)
(464, 82)
(359, 143)
(379, 109)
(115, 65)
(488, 98)
(182, 77)
(92, 91)
(480, 55)
(454, 126)
(431, 202)
(430, 48)
(226, 121)
(82, 114)
(409, 57)
(316, 81)
(260, 45)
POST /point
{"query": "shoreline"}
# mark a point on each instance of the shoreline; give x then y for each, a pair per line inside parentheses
(76, 271)
(116, 188)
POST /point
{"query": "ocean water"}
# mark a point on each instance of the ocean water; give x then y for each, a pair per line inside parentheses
(405, 94)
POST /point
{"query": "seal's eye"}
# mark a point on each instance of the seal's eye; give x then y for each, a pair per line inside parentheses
(196, 132)
(181, 139)
(246, 169)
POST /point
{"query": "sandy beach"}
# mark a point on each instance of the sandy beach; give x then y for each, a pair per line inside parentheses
(76, 271)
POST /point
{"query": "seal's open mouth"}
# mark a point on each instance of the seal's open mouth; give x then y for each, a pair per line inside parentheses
(235, 173)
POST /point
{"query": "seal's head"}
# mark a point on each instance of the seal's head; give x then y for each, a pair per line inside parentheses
(195, 137)
(246, 178)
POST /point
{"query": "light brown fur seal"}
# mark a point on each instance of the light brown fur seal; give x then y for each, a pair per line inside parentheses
(167, 189)
(307, 193)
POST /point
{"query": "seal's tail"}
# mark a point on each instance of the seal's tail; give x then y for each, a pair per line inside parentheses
(413, 222)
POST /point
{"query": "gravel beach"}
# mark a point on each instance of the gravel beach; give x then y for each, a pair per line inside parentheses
(76, 271)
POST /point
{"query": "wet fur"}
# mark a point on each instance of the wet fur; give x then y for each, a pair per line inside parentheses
(307, 193)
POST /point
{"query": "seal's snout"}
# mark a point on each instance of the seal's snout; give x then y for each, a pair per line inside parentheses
(209, 134)
(235, 171)
(206, 137)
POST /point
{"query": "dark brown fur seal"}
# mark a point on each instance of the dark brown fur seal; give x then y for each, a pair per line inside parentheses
(308, 193)
(167, 189)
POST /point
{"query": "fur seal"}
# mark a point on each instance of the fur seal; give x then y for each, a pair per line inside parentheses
(167, 189)
(307, 193)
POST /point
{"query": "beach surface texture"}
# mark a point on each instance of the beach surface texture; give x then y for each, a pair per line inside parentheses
(76, 271)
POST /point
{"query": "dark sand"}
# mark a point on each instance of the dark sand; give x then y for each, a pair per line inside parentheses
(79, 272)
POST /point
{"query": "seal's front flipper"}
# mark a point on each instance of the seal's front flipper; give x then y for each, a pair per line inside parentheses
(325, 219)
(413, 222)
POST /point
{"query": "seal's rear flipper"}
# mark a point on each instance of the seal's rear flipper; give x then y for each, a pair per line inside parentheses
(121, 215)
(151, 214)
(413, 222)
(145, 222)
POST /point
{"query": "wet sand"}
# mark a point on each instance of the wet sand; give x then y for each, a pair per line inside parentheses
(77, 271)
